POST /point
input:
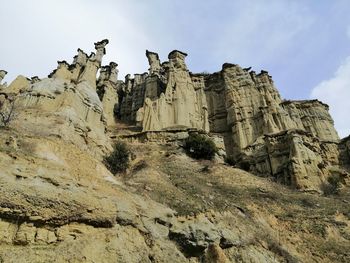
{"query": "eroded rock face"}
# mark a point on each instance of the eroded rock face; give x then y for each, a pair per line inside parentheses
(253, 107)
(108, 88)
(293, 157)
(243, 107)
(57, 198)
(3, 73)
(293, 141)
(154, 62)
(312, 116)
(261, 132)
(167, 97)
(344, 149)
(77, 106)
(19, 85)
(66, 103)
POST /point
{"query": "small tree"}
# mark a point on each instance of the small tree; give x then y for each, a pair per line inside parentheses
(7, 112)
(118, 161)
(200, 147)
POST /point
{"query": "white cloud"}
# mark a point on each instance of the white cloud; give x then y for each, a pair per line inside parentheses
(260, 31)
(336, 93)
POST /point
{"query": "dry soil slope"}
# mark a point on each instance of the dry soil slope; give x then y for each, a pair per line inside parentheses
(60, 204)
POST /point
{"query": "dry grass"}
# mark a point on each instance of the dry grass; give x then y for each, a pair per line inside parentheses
(190, 187)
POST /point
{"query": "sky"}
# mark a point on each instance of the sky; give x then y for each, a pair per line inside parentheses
(304, 44)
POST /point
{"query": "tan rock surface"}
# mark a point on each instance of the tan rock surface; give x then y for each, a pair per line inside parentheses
(167, 97)
(20, 84)
(237, 103)
(59, 203)
(3, 73)
(108, 88)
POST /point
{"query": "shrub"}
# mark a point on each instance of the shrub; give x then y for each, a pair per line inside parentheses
(7, 112)
(332, 186)
(200, 147)
(244, 165)
(230, 160)
(118, 161)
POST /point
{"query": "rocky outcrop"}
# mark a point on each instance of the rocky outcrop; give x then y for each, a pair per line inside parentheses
(19, 85)
(3, 73)
(108, 88)
(244, 107)
(60, 203)
(66, 104)
(292, 157)
(154, 63)
(261, 132)
(93, 64)
(344, 150)
(253, 107)
(312, 116)
(294, 142)
(165, 98)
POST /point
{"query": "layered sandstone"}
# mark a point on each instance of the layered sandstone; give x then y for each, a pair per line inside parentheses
(166, 97)
(245, 108)
(67, 103)
(108, 87)
(59, 203)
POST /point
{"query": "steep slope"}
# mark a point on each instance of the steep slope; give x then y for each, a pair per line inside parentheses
(59, 204)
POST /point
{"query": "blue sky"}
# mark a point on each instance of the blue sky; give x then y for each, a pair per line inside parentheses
(305, 44)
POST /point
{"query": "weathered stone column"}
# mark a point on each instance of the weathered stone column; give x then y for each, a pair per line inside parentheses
(100, 50)
(93, 64)
(62, 71)
(154, 62)
(107, 90)
(79, 63)
(113, 72)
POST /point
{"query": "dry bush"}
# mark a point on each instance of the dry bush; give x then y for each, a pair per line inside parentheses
(118, 161)
(333, 185)
(200, 147)
(8, 112)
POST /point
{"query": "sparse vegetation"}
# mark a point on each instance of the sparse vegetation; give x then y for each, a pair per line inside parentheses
(200, 147)
(244, 165)
(7, 112)
(118, 161)
(230, 160)
(332, 186)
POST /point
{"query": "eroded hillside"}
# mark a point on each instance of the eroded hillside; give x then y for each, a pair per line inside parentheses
(59, 202)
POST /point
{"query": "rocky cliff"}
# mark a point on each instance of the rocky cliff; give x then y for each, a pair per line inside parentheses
(59, 203)
(266, 133)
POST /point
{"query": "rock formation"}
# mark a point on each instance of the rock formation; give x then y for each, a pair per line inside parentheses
(3, 73)
(260, 130)
(272, 134)
(19, 85)
(253, 107)
(69, 93)
(108, 88)
(167, 97)
(60, 203)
